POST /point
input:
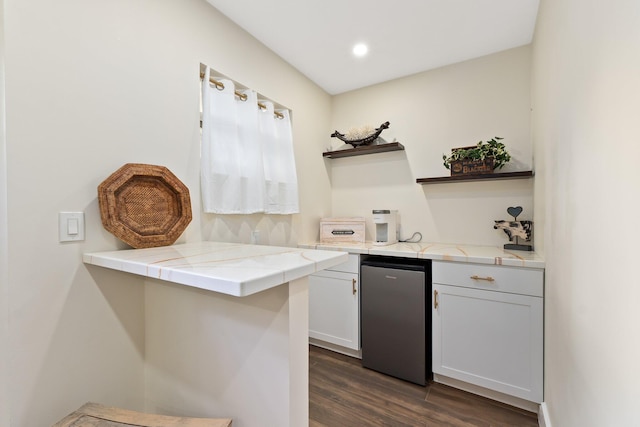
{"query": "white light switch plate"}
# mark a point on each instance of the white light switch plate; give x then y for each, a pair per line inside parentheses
(71, 226)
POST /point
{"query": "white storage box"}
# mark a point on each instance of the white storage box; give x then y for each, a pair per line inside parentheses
(334, 230)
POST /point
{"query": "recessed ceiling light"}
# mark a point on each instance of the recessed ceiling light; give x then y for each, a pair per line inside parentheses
(360, 49)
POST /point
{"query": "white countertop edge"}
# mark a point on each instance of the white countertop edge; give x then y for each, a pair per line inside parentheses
(354, 249)
(311, 262)
(507, 262)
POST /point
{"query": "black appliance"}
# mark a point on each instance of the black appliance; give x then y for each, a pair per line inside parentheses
(394, 320)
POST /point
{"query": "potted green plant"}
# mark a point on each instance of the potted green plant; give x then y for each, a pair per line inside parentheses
(481, 158)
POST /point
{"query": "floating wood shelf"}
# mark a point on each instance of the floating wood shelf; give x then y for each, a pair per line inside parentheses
(367, 149)
(485, 177)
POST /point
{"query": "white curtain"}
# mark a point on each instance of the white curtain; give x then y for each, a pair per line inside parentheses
(279, 164)
(247, 154)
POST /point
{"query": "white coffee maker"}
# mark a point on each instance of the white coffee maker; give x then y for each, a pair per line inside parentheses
(386, 227)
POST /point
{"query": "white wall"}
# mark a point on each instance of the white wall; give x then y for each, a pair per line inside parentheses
(90, 86)
(4, 306)
(430, 113)
(586, 103)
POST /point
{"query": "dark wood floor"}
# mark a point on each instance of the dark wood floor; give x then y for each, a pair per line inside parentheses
(343, 393)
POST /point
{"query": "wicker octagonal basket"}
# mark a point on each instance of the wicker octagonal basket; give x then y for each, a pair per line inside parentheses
(145, 206)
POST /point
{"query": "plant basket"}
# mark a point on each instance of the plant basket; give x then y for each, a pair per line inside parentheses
(472, 166)
(480, 159)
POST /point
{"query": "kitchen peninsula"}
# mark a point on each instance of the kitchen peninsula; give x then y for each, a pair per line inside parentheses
(226, 328)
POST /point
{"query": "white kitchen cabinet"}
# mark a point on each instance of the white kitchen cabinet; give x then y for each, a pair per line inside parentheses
(488, 327)
(334, 309)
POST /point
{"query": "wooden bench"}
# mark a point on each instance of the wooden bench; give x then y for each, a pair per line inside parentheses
(96, 415)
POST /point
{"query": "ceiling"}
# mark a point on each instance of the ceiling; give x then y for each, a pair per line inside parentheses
(404, 36)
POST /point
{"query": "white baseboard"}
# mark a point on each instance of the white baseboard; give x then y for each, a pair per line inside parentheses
(333, 347)
(543, 416)
(490, 394)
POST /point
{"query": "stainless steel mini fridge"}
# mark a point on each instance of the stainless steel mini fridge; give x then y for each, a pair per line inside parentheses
(395, 324)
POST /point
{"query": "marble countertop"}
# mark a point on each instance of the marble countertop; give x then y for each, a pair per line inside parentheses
(229, 268)
(439, 251)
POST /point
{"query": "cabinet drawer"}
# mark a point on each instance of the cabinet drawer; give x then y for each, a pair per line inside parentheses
(350, 266)
(522, 281)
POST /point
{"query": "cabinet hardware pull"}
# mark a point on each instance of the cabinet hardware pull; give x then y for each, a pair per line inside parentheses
(353, 286)
(488, 278)
(435, 299)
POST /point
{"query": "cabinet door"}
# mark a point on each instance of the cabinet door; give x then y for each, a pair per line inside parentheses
(491, 339)
(333, 308)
